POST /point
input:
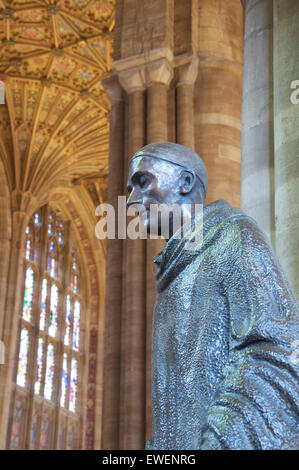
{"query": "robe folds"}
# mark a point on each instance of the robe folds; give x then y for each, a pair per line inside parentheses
(225, 325)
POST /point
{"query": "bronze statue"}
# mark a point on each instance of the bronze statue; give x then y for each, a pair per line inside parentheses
(225, 320)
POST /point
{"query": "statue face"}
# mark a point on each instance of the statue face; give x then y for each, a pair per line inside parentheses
(152, 181)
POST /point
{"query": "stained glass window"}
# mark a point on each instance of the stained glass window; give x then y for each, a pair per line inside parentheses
(55, 236)
(76, 328)
(59, 232)
(34, 427)
(73, 321)
(43, 312)
(32, 238)
(40, 357)
(17, 425)
(53, 311)
(52, 260)
(74, 282)
(51, 331)
(52, 266)
(45, 431)
(28, 294)
(50, 224)
(28, 249)
(50, 368)
(68, 320)
(73, 385)
(36, 218)
(23, 358)
(65, 381)
(29, 242)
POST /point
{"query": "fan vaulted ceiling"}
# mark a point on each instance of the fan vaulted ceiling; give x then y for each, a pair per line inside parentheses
(53, 56)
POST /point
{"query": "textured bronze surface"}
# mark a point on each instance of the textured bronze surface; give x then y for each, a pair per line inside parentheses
(224, 323)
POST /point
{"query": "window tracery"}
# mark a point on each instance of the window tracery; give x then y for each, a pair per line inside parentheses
(50, 350)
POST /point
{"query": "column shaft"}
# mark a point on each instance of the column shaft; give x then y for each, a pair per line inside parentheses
(132, 432)
(11, 320)
(185, 125)
(286, 127)
(218, 96)
(257, 168)
(112, 352)
(157, 105)
(5, 240)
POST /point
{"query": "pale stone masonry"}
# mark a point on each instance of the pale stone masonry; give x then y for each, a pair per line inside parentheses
(181, 73)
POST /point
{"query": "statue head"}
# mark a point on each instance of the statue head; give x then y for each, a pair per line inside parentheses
(169, 174)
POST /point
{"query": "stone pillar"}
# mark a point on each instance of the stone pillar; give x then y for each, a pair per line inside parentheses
(11, 320)
(218, 99)
(152, 72)
(132, 406)
(143, 56)
(286, 129)
(5, 267)
(257, 169)
(5, 241)
(159, 75)
(112, 350)
(186, 74)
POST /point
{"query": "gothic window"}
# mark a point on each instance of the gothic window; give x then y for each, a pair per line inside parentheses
(23, 358)
(71, 357)
(47, 397)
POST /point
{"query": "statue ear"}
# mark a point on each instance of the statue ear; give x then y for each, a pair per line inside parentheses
(187, 181)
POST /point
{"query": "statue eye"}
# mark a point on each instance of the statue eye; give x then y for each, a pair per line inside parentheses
(142, 181)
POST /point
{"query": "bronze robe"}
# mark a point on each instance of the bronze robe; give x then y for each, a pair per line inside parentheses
(225, 322)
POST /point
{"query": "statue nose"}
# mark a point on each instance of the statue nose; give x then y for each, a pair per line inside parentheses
(134, 198)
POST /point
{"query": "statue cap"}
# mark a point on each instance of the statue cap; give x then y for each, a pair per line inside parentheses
(177, 154)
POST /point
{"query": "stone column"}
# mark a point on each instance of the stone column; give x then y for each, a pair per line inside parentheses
(159, 75)
(143, 50)
(218, 96)
(286, 128)
(151, 72)
(11, 320)
(257, 169)
(112, 349)
(5, 241)
(132, 406)
(186, 74)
